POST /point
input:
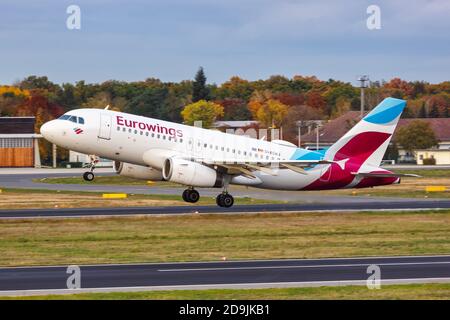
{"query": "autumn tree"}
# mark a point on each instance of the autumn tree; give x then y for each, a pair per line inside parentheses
(202, 110)
(267, 110)
(416, 135)
(315, 100)
(199, 89)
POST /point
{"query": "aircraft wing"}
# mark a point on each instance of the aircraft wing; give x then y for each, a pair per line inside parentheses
(246, 167)
(384, 175)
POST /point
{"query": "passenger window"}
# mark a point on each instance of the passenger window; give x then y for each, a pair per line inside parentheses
(123, 129)
(181, 140)
(135, 131)
(142, 133)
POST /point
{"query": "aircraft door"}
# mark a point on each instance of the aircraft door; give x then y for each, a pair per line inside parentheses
(105, 127)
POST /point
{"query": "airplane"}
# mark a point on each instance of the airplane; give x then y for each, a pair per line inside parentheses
(157, 150)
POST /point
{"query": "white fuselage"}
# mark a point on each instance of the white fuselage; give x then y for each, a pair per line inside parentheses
(147, 142)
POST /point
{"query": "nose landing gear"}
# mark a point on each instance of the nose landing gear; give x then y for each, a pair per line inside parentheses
(89, 175)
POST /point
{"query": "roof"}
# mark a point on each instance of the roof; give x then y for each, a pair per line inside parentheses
(235, 124)
(336, 128)
(17, 124)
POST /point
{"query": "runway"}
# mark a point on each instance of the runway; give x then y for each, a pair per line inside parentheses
(23, 179)
(227, 274)
(244, 209)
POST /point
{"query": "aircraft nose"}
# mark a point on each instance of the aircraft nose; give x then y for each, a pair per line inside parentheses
(48, 130)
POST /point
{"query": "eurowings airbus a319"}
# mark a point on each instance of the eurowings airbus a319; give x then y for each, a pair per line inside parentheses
(152, 149)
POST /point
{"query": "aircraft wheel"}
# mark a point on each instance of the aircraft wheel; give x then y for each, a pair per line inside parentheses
(88, 176)
(193, 196)
(228, 200)
(225, 200)
(185, 195)
(219, 199)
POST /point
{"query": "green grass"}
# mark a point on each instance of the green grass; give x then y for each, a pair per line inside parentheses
(105, 180)
(199, 237)
(410, 291)
(426, 173)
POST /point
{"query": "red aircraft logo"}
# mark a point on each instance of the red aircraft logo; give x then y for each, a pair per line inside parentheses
(78, 130)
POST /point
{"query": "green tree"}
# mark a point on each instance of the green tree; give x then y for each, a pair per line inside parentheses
(199, 89)
(151, 103)
(417, 135)
(205, 111)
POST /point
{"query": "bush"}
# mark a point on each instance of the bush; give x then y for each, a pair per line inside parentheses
(429, 161)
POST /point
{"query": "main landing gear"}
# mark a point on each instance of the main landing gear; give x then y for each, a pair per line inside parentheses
(89, 175)
(191, 195)
(224, 199)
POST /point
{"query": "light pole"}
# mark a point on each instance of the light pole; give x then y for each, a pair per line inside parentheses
(363, 79)
(318, 124)
(299, 126)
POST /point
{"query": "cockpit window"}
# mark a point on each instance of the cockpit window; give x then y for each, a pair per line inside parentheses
(74, 119)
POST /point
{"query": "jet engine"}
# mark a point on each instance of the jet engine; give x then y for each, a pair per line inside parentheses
(191, 173)
(137, 172)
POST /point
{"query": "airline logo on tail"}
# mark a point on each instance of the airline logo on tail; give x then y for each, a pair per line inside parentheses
(363, 147)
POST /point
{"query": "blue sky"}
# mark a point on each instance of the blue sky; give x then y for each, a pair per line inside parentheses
(169, 39)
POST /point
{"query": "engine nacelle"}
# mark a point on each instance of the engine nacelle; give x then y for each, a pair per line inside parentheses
(137, 172)
(191, 173)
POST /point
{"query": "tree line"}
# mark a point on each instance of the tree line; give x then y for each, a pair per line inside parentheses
(276, 101)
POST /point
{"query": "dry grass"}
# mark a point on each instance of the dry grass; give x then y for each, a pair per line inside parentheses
(211, 237)
(21, 200)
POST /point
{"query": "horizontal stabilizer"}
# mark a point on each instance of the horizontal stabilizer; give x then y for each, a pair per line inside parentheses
(384, 175)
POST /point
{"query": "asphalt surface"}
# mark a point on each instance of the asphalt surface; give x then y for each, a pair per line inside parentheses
(24, 179)
(292, 207)
(252, 273)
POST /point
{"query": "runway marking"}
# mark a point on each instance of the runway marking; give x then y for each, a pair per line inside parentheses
(121, 215)
(300, 267)
(255, 285)
(229, 261)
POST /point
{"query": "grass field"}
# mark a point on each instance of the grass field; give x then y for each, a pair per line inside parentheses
(411, 291)
(211, 237)
(35, 198)
(106, 180)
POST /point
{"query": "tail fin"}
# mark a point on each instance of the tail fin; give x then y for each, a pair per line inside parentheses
(368, 140)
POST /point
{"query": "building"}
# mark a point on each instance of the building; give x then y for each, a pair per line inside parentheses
(441, 156)
(334, 129)
(19, 145)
